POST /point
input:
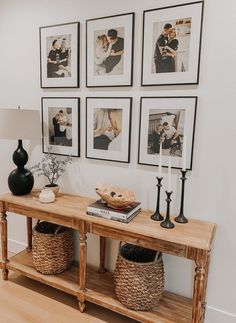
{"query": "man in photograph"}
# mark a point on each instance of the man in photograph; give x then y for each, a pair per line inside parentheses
(69, 127)
(159, 54)
(53, 60)
(117, 50)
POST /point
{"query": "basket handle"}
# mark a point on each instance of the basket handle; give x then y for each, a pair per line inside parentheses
(119, 247)
(57, 230)
(157, 256)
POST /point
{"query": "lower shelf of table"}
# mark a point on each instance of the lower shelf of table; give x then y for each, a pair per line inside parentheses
(100, 290)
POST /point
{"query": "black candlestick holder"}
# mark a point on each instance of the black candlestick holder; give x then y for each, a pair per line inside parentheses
(181, 218)
(167, 222)
(157, 215)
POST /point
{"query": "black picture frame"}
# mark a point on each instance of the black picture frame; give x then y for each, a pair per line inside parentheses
(107, 79)
(189, 75)
(57, 30)
(189, 126)
(57, 149)
(104, 104)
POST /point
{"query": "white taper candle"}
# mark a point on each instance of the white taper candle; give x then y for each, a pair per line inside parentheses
(169, 175)
(184, 153)
(160, 161)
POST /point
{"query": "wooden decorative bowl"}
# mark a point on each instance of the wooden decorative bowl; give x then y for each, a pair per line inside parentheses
(116, 197)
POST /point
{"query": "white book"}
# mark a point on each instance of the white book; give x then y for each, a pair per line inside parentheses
(99, 208)
(133, 215)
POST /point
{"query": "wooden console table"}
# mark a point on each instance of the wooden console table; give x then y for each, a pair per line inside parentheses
(192, 241)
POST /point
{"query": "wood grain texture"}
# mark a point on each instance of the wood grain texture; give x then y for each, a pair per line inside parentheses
(200, 285)
(3, 221)
(192, 240)
(100, 291)
(82, 268)
(29, 233)
(69, 209)
(102, 268)
(23, 300)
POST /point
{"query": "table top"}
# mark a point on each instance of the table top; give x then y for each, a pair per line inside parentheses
(72, 208)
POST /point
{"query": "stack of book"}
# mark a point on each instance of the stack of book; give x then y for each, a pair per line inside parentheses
(100, 209)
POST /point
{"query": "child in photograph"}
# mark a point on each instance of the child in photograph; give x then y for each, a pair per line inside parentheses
(171, 136)
(102, 51)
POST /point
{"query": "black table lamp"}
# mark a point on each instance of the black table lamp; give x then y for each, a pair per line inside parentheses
(18, 124)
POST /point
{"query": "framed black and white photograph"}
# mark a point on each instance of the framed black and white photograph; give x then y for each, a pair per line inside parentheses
(61, 126)
(167, 124)
(108, 128)
(172, 44)
(59, 55)
(109, 51)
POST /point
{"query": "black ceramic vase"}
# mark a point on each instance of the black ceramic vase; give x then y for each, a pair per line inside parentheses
(20, 180)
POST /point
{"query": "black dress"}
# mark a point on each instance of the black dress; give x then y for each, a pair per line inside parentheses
(112, 61)
(170, 61)
(54, 55)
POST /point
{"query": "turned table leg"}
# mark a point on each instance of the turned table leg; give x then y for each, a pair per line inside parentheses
(200, 285)
(82, 270)
(29, 233)
(4, 245)
(102, 268)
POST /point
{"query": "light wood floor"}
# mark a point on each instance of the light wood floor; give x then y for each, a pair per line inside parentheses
(23, 300)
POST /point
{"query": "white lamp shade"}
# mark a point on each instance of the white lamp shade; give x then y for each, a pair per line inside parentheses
(19, 124)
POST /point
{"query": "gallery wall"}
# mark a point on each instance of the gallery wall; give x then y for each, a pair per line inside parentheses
(210, 192)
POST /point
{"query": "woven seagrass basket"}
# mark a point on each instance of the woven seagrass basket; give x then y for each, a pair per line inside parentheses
(139, 277)
(52, 252)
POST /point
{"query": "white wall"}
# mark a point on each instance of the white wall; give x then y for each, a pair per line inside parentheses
(211, 185)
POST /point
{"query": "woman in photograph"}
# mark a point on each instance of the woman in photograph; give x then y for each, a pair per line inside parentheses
(107, 129)
(103, 132)
(102, 51)
(63, 67)
(115, 117)
(171, 49)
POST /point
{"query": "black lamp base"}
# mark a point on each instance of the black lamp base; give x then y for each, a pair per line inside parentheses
(20, 180)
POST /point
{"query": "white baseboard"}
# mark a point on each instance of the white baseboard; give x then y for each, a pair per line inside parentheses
(15, 246)
(213, 315)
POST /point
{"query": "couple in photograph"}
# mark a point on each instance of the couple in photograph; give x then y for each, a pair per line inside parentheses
(62, 127)
(108, 52)
(168, 135)
(107, 129)
(165, 50)
(58, 60)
